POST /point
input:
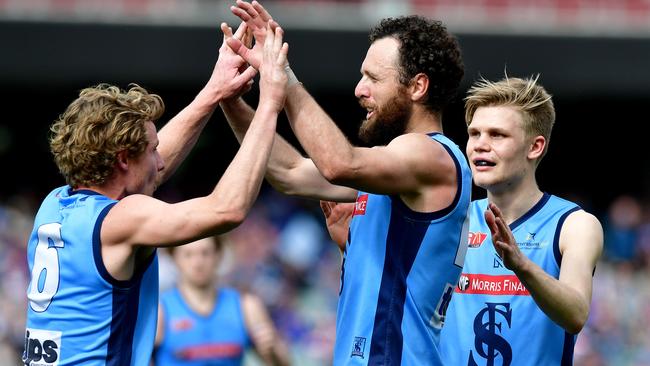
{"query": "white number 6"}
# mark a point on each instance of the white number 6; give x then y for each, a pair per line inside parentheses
(46, 264)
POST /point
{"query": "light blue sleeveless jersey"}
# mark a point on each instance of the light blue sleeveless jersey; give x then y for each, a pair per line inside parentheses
(191, 339)
(492, 319)
(399, 271)
(77, 313)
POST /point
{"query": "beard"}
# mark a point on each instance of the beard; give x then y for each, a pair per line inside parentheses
(388, 122)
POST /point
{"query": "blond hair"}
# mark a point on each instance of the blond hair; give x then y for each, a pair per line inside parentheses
(103, 121)
(526, 95)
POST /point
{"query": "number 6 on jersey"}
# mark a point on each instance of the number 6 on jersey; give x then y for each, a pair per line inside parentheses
(45, 271)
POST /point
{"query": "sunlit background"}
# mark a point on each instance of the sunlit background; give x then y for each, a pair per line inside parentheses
(592, 55)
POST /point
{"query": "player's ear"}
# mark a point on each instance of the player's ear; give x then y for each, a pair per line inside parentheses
(419, 87)
(122, 160)
(536, 147)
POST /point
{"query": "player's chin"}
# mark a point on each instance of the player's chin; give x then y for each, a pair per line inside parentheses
(483, 182)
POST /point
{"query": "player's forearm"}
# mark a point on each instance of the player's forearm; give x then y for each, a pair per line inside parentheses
(178, 136)
(323, 141)
(240, 183)
(564, 305)
(239, 116)
(283, 158)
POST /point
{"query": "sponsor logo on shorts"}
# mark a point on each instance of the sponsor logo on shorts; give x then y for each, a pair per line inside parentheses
(42, 347)
(491, 285)
(358, 347)
(360, 206)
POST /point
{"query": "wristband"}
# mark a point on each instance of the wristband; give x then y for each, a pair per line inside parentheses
(292, 77)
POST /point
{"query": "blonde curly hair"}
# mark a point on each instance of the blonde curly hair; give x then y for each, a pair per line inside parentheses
(103, 121)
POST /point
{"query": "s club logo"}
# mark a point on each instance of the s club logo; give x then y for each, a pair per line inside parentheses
(489, 344)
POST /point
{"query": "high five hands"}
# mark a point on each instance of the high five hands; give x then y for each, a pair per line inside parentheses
(257, 20)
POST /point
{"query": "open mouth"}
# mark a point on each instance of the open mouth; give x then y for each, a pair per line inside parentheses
(481, 162)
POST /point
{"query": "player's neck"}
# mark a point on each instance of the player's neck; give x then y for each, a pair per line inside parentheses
(423, 121)
(516, 200)
(108, 190)
(200, 299)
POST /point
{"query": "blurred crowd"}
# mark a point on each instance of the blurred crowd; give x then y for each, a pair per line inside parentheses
(283, 254)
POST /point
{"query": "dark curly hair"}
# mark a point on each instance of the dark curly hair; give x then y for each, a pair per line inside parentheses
(425, 47)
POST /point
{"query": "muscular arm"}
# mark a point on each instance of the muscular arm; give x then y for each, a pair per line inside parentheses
(288, 172)
(565, 300)
(391, 169)
(142, 221)
(180, 134)
(266, 341)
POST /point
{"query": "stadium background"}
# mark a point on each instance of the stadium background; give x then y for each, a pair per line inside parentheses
(593, 56)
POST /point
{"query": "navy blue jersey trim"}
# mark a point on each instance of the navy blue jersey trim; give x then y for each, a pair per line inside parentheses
(123, 322)
(430, 216)
(538, 206)
(402, 245)
(99, 262)
(86, 192)
(567, 349)
(556, 237)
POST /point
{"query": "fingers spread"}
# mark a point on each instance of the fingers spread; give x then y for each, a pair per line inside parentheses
(261, 11)
(242, 14)
(241, 30)
(247, 76)
(226, 30)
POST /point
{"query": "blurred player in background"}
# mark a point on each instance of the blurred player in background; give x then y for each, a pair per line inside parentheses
(200, 322)
(412, 189)
(93, 295)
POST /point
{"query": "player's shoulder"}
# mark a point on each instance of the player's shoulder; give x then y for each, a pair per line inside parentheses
(575, 215)
(415, 138)
(420, 147)
(582, 220)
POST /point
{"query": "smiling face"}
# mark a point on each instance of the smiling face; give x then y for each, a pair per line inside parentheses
(498, 150)
(380, 92)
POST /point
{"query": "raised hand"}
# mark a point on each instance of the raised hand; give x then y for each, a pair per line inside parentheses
(231, 76)
(257, 19)
(273, 78)
(337, 218)
(503, 240)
